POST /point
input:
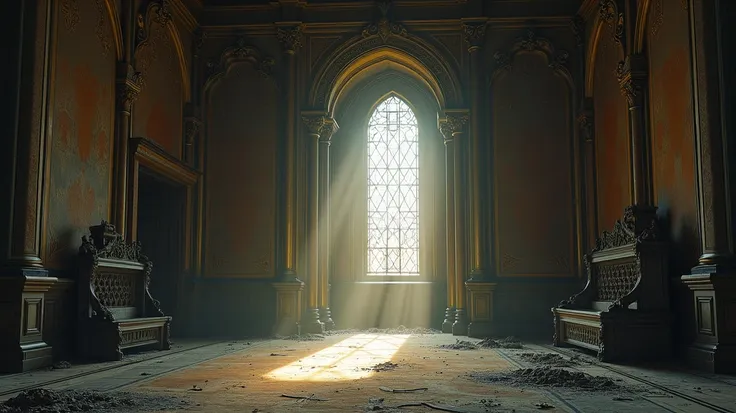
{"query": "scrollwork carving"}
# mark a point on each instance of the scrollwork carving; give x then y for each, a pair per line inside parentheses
(474, 34)
(639, 223)
(630, 80)
(291, 38)
(157, 11)
(557, 60)
(610, 14)
(328, 129)
(314, 124)
(239, 52)
(453, 124)
(128, 89)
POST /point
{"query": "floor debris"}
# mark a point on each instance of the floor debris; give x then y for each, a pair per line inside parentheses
(387, 366)
(304, 398)
(547, 359)
(507, 342)
(390, 390)
(460, 345)
(550, 377)
(68, 401)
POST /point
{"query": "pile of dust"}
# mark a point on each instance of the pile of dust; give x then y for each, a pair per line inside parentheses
(67, 401)
(387, 366)
(460, 345)
(302, 337)
(394, 330)
(508, 342)
(547, 359)
(549, 377)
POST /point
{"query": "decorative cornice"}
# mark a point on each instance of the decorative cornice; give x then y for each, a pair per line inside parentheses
(474, 34)
(291, 37)
(453, 124)
(610, 14)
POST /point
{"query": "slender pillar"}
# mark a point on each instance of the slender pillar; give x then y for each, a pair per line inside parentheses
(632, 75)
(446, 128)
(325, 247)
(290, 36)
(311, 322)
(23, 279)
(453, 127)
(128, 87)
(289, 288)
(475, 31)
(713, 280)
(586, 124)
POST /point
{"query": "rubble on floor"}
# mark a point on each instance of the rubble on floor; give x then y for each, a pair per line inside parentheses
(302, 337)
(550, 377)
(547, 359)
(387, 366)
(508, 342)
(68, 401)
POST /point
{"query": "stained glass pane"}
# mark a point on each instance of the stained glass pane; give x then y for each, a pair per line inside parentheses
(393, 190)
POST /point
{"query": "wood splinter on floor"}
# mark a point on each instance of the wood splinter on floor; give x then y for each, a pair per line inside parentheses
(390, 390)
(304, 398)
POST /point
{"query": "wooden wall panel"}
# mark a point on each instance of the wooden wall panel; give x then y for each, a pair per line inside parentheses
(613, 167)
(83, 128)
(673, 139)
(531, 115)
(157, 113)
(241, 144)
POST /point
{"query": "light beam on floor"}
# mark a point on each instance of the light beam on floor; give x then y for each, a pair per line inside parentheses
(350, 359)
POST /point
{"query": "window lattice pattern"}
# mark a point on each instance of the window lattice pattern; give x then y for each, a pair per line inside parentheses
(393, 190)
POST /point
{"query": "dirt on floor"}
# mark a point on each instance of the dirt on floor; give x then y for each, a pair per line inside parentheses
(549, 377)
(68, 401)
(508, 342)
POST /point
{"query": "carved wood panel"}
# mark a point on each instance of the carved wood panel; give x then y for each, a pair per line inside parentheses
(533, 160)
(240, 173)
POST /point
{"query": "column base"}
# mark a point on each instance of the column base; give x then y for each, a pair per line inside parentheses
(311, 323)
(460, 326)
(449, 319)
(480, 308)
(22, 294)
(325, 316)
(714, 295)
(288, 307)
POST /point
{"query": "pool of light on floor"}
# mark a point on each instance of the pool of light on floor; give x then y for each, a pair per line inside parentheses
(350, 359)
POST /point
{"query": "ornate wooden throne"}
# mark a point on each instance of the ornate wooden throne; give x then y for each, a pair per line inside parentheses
(116, 310)
(623, 312)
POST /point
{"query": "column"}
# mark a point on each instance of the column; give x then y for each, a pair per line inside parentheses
(713, 280)
(453, 127)
(289, 287)
(632, 76)
(311, 322)
(325, 247)
(446, 128)
(586, 126)
(23, 279)
(474, 31)
(128, 86)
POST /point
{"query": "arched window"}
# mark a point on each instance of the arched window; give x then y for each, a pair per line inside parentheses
(393, 190)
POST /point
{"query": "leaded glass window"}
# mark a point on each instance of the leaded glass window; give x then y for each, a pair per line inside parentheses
(393, 190)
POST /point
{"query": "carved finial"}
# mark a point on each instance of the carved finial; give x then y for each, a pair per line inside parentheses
(290, 38)
(474, 34)
(453, 124)
(609, 13)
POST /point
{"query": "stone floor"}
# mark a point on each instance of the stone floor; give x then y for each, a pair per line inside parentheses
(356, 372)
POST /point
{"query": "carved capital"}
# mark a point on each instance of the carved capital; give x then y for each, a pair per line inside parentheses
(314, 124)
(328, 129)
(128, 89)
(610, 14)
(192, 125)
(631, 77)
(291, 37)
(453, 124)
(474, 34)
(585, 123)
(384, 29)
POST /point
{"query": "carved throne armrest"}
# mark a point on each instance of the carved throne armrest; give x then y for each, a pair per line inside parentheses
(583, 299)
